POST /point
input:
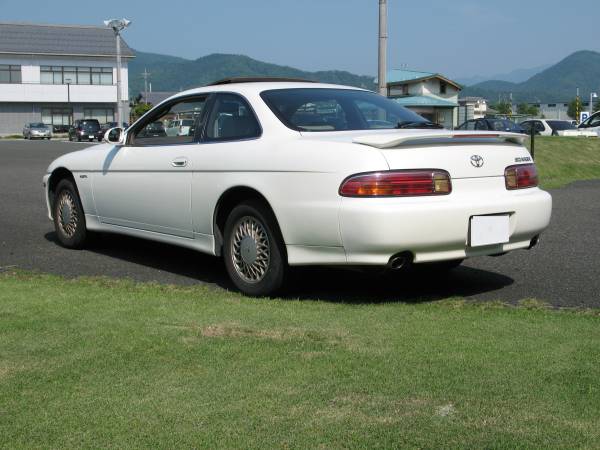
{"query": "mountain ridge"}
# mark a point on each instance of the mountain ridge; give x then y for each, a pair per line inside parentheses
(173, 73)
(557, 83)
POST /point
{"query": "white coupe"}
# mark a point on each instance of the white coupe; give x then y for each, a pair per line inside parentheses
(279, 173)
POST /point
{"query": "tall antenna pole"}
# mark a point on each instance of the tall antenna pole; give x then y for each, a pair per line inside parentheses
(383, 36)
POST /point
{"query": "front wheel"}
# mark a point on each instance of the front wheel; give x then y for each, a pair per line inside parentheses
(69, 218)
(253, 250)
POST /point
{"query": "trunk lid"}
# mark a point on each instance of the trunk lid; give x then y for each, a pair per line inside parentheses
(462, 154)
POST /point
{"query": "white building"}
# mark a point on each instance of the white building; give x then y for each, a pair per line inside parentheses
(431, 95)
(59, 73)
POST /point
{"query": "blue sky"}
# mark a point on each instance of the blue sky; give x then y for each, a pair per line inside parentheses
(460, 38)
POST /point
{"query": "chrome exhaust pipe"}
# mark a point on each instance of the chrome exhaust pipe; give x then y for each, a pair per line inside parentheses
(535, 241)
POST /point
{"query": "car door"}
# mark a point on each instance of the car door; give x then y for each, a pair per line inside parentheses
(230, 146)
(592, 124)
(541, 129)
(146, 183)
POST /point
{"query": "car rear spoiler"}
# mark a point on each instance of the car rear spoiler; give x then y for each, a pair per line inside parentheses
(397, 139)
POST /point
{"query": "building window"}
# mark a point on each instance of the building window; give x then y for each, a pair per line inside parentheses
(443, 87)
(76, 75)
(102, 115)
(10, 74)
(57, 116)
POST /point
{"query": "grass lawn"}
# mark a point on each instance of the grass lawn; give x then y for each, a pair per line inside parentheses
(114, 364)
(561, 160)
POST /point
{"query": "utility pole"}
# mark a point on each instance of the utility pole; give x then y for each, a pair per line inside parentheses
(577, 107)
(382, 60)
(146, 75)
(117, 26)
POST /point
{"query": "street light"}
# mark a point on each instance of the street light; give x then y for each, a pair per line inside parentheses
(593, 95)
(68, 82)
(382, 57)
(117, 26)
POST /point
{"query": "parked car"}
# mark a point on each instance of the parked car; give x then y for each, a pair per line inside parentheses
(491, 124)
(85, 129)
(107, 126)
(592, 124)
(37, 130)
(60, 128)
(267, 182)
(153, 129)
(179, 127)
(545, 127)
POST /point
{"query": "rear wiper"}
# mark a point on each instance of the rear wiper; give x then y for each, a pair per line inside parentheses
(414, 124)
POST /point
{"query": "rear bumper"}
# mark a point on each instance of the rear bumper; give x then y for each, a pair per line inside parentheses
(437, 228)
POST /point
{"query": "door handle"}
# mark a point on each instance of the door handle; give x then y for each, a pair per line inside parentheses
(179, 162)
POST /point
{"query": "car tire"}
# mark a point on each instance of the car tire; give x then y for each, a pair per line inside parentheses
(68, 216)
(253, 250)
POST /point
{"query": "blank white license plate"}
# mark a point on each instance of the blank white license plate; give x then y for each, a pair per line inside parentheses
(91, 136)
(489, 230)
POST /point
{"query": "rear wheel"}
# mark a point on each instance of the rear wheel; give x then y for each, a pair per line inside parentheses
(69, 218)
(253, 250)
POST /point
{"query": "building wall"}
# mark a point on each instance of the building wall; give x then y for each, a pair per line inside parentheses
(13, 116)
(23, 102)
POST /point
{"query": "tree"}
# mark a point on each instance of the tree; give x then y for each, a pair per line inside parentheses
(528, 110)
(503, 107)
(140, 109)
(574, 107)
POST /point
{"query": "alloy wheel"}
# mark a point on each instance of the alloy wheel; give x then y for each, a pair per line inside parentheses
(250, 249)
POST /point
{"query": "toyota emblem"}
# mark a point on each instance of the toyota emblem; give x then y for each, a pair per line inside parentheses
(476, 161)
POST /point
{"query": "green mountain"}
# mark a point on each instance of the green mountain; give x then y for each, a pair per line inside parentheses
(170, 73)
(558, 83)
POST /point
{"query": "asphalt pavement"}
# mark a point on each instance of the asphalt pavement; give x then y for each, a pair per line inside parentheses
(562, 270)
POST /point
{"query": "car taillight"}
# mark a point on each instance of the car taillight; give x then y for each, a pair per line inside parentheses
(520, 176)
(397, 183)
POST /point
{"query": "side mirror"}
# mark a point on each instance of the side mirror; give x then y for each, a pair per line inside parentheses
(115, 136)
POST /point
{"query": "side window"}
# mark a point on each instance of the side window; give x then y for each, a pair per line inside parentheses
(526, 126)
(174, 123)
(231, 118)
(539, 126)
(481, 125)
(594, 121)
(471, 125)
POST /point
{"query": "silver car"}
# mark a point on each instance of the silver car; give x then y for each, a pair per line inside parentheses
(37, 130)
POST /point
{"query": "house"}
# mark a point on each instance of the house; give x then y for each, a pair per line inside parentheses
(59, 73)
(431, 95)
(471, 108)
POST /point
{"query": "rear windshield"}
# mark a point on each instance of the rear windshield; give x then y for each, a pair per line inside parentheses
(90, 125)
(314, 109)
(187, 123)
(558, 125)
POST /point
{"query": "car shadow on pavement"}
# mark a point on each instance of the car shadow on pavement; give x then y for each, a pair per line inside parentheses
(309, 283)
